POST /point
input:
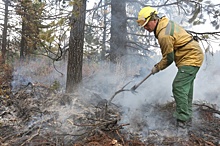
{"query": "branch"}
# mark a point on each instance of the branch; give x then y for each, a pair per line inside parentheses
(28, 140)
(119, 91)
(94, 9)
(211, 109)
(203, 33)
(144, 5)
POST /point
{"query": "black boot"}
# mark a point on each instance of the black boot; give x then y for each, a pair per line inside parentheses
(181, 124)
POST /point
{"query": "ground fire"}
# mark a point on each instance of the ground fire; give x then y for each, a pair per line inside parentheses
(36, 114)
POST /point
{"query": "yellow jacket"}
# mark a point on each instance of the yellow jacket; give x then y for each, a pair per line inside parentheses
(177, 45)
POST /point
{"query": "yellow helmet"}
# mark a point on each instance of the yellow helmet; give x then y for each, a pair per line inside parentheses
(144, 15)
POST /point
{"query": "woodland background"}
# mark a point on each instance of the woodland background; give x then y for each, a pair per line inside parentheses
(62, 59)
(107, 31)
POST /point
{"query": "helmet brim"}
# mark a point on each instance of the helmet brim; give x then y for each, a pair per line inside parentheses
(142, 23)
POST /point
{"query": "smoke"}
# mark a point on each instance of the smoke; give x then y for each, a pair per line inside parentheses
(38, 71)
(157, 89)
(207, 83)
(101, 82)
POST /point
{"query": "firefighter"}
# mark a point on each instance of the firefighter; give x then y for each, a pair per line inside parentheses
(179, 46)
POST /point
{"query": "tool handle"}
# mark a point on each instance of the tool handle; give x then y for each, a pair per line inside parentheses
(136, 86)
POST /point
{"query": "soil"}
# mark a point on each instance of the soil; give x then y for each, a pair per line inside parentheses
(36, 114)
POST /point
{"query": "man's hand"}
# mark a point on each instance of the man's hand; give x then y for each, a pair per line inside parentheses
(154, 70)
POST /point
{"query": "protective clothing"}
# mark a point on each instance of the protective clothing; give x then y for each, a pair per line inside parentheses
(154, 70)
(177, 45)
(144, 15)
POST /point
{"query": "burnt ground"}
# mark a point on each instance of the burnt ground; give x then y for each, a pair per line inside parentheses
(38, 115)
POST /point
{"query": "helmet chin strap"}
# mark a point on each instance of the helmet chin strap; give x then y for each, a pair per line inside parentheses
(151, 14)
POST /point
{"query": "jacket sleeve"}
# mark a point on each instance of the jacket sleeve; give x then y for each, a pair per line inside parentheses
(167, 51)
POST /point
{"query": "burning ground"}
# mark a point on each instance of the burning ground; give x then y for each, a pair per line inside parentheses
(35, 111)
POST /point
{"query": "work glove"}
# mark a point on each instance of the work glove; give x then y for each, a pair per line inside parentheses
(154, 70)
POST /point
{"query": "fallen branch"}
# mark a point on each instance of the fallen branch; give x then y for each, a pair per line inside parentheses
(209, 143)
(28, 140)
(123, 142)
(119, 91)
(211, 109)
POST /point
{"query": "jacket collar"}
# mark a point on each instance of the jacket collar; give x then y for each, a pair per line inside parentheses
(156, 28)
(161, 24)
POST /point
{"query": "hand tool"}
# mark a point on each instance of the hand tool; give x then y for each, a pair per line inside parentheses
(137, 85)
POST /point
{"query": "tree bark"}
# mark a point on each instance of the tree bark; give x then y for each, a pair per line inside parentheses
(103, 52)
(76, 42)
(4, 33)
(118, 30)
(23, 43)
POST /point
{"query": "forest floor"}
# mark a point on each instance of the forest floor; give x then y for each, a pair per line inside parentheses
(37, 115)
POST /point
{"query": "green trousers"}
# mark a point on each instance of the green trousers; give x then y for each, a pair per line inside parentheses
(183, 91)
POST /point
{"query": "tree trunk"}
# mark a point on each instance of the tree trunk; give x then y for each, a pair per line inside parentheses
(4, 33)
(103, 52)
(76, 42)
(118, 30)
(23, 42)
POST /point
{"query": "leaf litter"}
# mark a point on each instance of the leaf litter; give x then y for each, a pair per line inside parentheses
(35, 114)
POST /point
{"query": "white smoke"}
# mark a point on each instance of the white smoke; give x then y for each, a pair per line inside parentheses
(40, 71)
(157, 89)
(207, 87)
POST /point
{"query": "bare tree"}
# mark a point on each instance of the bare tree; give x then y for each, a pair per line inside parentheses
(76, 42)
